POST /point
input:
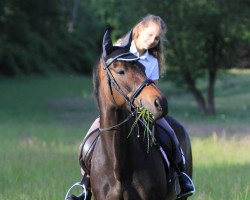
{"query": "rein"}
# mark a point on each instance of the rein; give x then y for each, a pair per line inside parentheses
(132, 114)
(117, 125)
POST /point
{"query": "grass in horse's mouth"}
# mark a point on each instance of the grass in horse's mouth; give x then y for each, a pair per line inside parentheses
(146, 118)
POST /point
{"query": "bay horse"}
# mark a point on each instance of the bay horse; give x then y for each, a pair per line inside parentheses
(121, 167)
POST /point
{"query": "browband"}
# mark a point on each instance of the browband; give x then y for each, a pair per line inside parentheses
(120, 54)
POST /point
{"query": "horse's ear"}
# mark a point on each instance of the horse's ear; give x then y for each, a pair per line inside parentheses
(126, 43)
(107, 45)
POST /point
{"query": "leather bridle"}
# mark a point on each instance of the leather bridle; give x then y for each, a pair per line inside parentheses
(114, 83)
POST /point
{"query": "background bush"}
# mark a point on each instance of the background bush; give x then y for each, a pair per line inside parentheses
(35, 38)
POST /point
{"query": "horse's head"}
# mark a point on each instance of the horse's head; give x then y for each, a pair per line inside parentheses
(122, 81)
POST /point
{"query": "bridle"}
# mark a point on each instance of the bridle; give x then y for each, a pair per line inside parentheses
(113, 82)
(120, 56)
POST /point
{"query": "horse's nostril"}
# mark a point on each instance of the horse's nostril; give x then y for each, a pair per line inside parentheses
(161, 105)
(158, 104)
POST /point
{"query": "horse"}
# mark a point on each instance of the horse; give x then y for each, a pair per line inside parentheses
(124, 166)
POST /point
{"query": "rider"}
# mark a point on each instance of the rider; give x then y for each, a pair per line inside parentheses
(145, 40)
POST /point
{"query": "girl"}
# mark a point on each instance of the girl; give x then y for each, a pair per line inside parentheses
(145, 40)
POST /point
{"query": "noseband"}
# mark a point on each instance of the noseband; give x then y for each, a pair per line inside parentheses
(128, 57)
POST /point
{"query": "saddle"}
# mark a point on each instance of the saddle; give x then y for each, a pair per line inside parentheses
(86, 150)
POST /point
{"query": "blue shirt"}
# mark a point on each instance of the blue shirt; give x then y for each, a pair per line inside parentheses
(149, 61)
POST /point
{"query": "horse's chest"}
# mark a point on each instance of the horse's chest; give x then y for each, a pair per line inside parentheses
(137, 176)
(136, 189)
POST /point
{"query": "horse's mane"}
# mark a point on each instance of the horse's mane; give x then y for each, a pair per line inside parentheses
(96, 78)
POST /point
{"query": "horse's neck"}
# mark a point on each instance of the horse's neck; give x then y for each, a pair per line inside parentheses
(111, 117)
(113, 141)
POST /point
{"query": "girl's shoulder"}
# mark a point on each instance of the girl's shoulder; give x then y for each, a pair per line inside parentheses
(152, 58)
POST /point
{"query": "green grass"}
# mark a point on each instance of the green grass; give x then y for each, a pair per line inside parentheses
(221, 168)
(44, 119)
(42, 122)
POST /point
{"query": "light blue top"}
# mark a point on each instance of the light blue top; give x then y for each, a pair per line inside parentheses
(149, 61)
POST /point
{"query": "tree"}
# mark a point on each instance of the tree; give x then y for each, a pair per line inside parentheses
(35, 37)
(202, 40)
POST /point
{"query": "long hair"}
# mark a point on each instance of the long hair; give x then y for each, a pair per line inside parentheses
(158, 50)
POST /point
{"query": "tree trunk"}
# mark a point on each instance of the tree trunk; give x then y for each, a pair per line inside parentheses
(196, 94)
(210, 92)
(72, 19)
(212, 70)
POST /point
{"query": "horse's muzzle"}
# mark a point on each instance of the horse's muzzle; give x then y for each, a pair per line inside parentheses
(161, 107)
(157, 105)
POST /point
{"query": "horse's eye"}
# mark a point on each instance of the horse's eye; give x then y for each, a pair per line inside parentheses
(121, 72)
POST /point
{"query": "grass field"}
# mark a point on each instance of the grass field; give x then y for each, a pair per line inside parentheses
(43, 120)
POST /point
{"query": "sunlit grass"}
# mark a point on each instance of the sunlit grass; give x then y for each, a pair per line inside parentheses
(220, 151)
(221, 168)
(240, 71)
(38, 161)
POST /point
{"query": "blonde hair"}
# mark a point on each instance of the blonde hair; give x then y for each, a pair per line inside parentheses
(158, 50)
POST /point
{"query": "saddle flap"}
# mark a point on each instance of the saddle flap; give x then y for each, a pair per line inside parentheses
(86, 150)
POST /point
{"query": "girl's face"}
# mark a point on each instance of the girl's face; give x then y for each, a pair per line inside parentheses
(148, 37)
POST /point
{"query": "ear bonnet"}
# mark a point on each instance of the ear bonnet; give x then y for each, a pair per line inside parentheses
(112, 53)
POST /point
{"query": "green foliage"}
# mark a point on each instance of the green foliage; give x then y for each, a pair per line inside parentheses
(117, 16)
(203, 35)
(40, 55)
(34, 39)
(203, 38)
